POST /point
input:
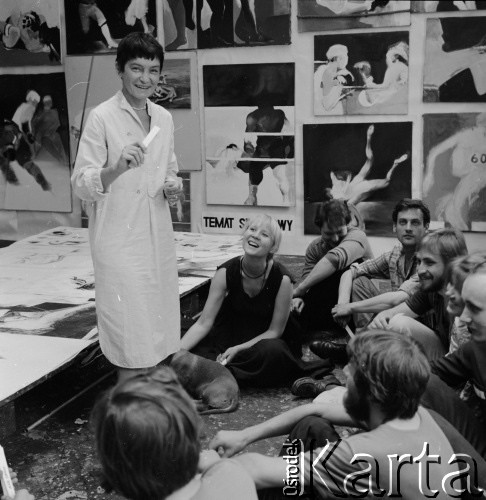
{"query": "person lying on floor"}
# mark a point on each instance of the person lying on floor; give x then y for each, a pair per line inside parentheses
(245, 322)
(386, 376)
(147, 435)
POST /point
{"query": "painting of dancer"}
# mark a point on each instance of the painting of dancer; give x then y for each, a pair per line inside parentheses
(96, 26)
(249, 118)
(455, 60)
(30, 33)
(367, 164)
(329, 15)
(228, 23)
(361, 73)
(34, 143)
(454, 183)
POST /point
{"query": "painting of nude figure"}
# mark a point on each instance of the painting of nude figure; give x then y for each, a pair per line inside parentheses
(454, 183)
(367, 164)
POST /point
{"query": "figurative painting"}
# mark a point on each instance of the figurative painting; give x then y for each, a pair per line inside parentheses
(249, 141)
(361, 74)
(96, 26)
(181, 212)
(330, 15)
(454, 183)
(229, 23)
(30, 33)
(174, 88)
(34, 143)
(179, 25)
(455, 60)
(447, 5)
(367, 164)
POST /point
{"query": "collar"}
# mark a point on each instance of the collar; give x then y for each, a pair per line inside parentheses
(124, 104)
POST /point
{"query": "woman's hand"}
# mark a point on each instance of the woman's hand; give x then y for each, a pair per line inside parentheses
(132, 156)
(229, 354)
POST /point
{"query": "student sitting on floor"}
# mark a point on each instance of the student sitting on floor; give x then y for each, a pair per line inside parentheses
(326, 259)
(147, 437)
(245, 321)
(435, 252)
(386, 376)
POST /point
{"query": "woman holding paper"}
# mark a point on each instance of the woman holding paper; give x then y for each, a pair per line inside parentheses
(126, 179)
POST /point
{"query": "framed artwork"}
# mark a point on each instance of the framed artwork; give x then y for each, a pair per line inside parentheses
(367, 164)
(330, 15)
(174, 88)
(447, 5)
(455, 60)
(361, 73)
(454, 185)
(249, 134)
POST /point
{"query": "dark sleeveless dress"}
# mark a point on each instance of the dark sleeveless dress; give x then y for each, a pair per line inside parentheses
(269, 362)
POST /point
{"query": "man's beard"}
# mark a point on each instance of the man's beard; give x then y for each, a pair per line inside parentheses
(356, 405)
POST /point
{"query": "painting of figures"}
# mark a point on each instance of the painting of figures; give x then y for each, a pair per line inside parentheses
(96, 26)
(329, 15)
(454, 183)
(30, 33)
(447, 5)
(249, 140)
(361, 74)
(230, 23)
(367, 164)
(455, 60)
(34, 143)
(174, 88)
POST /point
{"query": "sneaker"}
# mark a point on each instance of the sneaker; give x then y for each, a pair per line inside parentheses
(308, 387)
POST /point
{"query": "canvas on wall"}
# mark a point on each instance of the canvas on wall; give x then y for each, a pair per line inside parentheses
(249, 134)
(30, 33)
(454, 183)
(455, 60)
(229, 23)
(94, 27)
(361, 73)
(174, 88)
(34, 141)
(447, 5)
(329, 15)
(367, 164)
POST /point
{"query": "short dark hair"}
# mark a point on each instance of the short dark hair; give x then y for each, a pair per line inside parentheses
(447, 242)
(334, 213)
(391, 369)
(137, 45)
(147, 435)
(409, 204)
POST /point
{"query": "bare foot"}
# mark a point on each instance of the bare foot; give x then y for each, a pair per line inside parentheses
(176, 43)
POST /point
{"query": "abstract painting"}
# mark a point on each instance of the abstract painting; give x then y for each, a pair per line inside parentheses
(367, 164)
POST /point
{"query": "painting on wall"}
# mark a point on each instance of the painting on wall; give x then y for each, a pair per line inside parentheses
(30, 33)
(179, 26)
(34, 142)
(97, 27)
(329, 15)
(454, 183)
(367, 164)
(174, 87)
(455, 60)
(230, 23)
(361, 74)
(447, 5)
(249, 134)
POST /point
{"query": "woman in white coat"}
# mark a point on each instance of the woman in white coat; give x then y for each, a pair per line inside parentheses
(127, 186)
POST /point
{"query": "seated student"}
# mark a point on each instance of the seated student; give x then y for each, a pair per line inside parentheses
(358, 296)
(245, 321)
(147, 436)
(386, 377)
(326, 258)
(467, 363)
(435, 252)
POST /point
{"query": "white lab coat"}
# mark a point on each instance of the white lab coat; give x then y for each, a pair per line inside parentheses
(131, 238)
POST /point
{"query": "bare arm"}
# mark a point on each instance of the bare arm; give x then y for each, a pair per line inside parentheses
(205, 322)
(280, 316)
(266, 472)
(322, 270)
(383, 318)
(345, 287)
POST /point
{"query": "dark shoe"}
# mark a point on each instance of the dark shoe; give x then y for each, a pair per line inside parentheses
(308, 387)
(334, 349)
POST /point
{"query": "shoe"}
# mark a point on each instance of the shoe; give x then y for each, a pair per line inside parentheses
(308, 387)
(334, 349)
